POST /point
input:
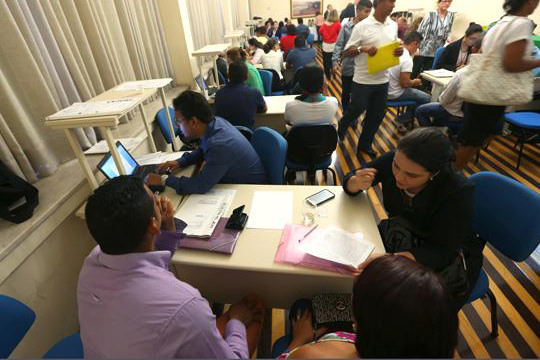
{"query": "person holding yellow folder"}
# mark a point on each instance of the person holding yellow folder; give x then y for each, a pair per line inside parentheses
(370, 90)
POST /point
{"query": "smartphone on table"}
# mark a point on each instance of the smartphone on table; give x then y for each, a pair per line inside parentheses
(320, 198)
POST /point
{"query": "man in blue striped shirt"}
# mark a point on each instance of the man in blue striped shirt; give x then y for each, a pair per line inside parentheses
(229, 157)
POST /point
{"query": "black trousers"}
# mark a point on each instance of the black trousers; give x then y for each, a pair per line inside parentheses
(346, 84)
(479, 123)
(327, 63)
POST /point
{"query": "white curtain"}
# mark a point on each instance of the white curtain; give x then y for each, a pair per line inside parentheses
(235, 13)
(56, 52)
(206, 21)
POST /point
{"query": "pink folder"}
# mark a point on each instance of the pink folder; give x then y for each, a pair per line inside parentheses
(289, 252)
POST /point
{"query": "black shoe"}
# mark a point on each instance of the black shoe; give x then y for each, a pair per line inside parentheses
(369, 151)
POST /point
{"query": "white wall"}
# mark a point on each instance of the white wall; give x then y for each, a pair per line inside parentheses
(280, 9)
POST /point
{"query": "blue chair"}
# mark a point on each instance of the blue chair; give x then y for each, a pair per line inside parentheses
(266, 77)
(272, 150)
(203, 85)
(70, 347)
(527, 128)
(438, 54)
(515, 233)
(222, 78)
(15, 320)
(163, 122)
(401, 108)
(310, 148)
(247, 132)
(310, 39)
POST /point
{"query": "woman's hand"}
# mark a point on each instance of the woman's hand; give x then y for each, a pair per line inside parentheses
(303, 331)
(362, 180)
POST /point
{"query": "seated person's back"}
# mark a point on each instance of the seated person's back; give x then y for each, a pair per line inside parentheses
(311, 108)
(237, 102)
(301, 55)
(287, 42)
(228, 156)
(130, 305)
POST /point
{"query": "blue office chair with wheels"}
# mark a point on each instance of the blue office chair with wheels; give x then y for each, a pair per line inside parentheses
(272, 150)
(247, 132)
(438, 54)
(266, 77)
(15, 320)
(526, 125)
(310, 148)
(401, 107)
(70, 347)
(515, 233)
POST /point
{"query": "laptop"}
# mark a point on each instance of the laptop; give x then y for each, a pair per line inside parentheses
(108, 167)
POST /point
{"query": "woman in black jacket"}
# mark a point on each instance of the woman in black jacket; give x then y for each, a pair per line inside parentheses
(456, 55)
(431, 201)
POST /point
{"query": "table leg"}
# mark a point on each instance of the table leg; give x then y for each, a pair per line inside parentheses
(114, 151)
(175, 145)
(216, 76)
(72, 139)
(148, 129)
(264, 348)
(205, 91)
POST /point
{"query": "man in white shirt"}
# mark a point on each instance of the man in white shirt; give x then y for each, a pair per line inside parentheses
(401, 84)
(311, 108)
(369, 91)
(449, 107)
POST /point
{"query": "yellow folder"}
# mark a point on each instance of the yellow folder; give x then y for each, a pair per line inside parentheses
(384, 59)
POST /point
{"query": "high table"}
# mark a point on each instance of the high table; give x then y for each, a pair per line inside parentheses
(233, 36)
(439, 83)
(210, 50)
(251, 268)
(273, 118)
(107, 122)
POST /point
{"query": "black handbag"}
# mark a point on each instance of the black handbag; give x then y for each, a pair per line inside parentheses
(18, 198)
(333, 311)
(398, 235)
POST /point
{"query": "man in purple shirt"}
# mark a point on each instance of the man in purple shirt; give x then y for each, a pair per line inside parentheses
(130, 304)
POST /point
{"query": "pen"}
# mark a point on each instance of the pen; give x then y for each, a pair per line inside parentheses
(308, 233)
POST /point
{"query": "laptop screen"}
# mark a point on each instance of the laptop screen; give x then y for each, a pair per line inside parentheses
(108, 167)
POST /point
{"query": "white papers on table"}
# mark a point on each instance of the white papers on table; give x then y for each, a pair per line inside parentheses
(102, 148)
(201, 213)
(95, 108)
(338, 246)
(271, 210)
(143, 84)
(441, 73)
(158, 158)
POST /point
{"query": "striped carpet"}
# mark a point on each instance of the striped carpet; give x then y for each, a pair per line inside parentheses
(515, 285)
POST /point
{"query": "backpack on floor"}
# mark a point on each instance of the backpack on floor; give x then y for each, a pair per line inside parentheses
(18, 198)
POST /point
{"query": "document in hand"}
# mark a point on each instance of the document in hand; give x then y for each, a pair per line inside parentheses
(202, 212)
(384, 59)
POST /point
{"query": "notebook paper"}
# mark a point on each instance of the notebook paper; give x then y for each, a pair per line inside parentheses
(270, 210)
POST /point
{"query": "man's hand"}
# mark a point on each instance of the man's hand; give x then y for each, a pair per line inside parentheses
(398, 52)
(241, 312)
(353, 51)
(167, 213)
(417, 82)
(168, 167)
(153, 179)
(370, 50)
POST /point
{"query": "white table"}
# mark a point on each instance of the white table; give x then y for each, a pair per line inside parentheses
(251, 268)
(273, 118)
(106, 122)
(233, 36)
(210, 50)
(439, 83)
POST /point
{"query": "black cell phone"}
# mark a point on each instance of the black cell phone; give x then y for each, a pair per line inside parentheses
(320, 198)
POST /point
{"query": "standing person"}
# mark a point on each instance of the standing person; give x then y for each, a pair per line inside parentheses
(456, 55)
(435, 28)
(401, 86)
(329, 32)
(349, 12)
(254, 78)
(302, 29)
(363, 9)
(511, 39)
(287, 42)
(369, 91)
(319, 21)
(329, 8)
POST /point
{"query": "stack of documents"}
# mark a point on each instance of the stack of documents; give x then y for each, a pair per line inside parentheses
(440, 73)
(158, 158)
(102, 148)
(203, 212)
(143, 84)
(95, 108)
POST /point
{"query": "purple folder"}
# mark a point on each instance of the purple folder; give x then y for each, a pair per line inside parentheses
(222, 240)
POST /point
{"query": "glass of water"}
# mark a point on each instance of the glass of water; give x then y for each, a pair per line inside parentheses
(309, 214)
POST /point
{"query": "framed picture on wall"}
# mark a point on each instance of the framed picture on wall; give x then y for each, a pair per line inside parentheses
(305, 8)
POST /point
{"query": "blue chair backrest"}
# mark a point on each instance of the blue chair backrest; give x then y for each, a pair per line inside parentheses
(15, 320)
(310, 39)
(272, 150)
(438, 53)
(506, 214)
(222, 78)
(201, 82)
(161, 117)
(266, 77)
(70, 347)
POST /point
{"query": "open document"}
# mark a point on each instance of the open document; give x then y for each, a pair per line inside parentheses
(202, 212)
(384, 58)
(337, 245)
(158, 158)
